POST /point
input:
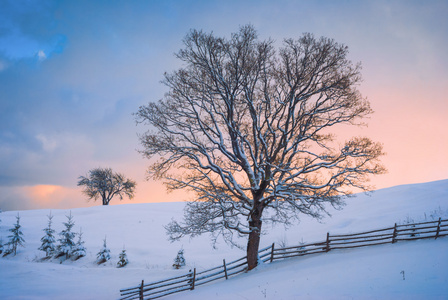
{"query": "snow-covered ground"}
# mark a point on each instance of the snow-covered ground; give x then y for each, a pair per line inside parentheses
(406, 270)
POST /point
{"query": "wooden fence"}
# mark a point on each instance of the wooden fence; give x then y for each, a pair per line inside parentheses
(406, 232)
(192, 279)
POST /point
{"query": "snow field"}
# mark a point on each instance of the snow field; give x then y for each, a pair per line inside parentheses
(365, 273)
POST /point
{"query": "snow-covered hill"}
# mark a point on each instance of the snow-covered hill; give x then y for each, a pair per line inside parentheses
(406, 270)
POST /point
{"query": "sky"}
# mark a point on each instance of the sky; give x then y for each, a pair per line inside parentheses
(72, 73)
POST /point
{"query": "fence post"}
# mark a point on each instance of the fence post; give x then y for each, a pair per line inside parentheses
(225, 268)
(438, 228)
(327, 248)
(272, 252)
(141, 290)
(194, 279)
(394, 235)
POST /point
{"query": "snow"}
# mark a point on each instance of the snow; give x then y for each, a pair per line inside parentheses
(367, 273)
(405, 270)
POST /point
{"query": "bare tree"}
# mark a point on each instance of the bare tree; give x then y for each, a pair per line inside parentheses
(246, 128)
(105, 184)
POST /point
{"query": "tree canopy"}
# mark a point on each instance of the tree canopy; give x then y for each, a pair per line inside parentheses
(105, 184)
(246, 128)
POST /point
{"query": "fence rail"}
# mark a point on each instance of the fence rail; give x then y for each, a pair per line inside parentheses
(405, 232)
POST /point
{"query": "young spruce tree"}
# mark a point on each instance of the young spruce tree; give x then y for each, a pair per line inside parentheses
(66, 242)
(16, 238)
(104, 254)
(123, 259)
(179, 261)
(48, 240)
(79, 250)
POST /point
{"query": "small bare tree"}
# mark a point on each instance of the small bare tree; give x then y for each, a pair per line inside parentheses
(246, 128)
(105, 184)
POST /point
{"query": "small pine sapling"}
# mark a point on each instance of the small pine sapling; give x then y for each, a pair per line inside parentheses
(66, 242)
(179, 261)
(123, 259)
(79, 250)
(104, 254)
(15, 239)
(48, 240)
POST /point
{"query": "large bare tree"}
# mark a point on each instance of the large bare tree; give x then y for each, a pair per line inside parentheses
(246, 128)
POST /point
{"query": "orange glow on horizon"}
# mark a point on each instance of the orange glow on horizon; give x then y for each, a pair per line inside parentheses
(43, 193)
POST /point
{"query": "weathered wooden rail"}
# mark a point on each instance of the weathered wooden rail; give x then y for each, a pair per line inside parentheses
(190, 280)
(407, 232)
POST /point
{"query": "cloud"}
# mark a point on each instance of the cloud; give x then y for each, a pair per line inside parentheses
(41, 55)
(44, 158)
(40, 196)
(48, 145)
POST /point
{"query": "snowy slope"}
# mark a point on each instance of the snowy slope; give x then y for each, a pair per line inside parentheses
(367, 273)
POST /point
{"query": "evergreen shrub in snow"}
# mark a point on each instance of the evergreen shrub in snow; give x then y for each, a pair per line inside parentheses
(48, 240)
(66, 242)
(15, 239)
(179, 261)
(104, 254)
(79, 250)
(123, 259)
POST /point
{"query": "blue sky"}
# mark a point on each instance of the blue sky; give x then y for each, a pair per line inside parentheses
(73, 72)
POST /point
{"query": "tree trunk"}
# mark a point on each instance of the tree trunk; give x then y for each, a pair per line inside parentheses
(104, 198)
(253, 242)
